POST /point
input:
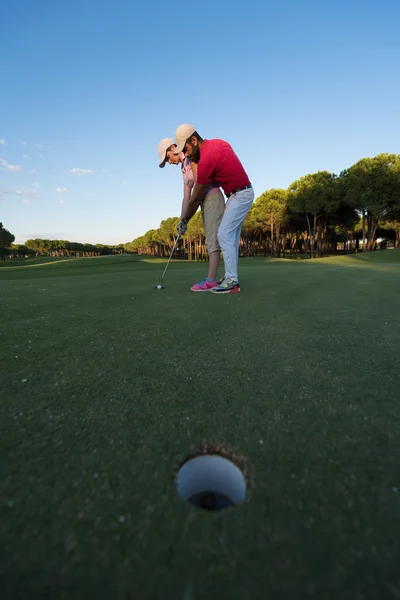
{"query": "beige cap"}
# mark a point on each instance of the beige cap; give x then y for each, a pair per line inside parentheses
(181, 135)
(163, 146)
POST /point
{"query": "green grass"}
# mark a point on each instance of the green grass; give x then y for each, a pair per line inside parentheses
(106, 383)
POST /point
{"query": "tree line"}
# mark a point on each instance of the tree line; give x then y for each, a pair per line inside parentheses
(319, 214)
(44, 247)
(67, 248)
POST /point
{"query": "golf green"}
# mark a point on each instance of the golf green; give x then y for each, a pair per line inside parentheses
(107, 383)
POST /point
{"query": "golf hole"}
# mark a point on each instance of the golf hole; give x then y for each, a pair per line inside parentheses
(211, 482)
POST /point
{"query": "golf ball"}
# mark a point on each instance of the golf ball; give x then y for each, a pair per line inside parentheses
(159, 287)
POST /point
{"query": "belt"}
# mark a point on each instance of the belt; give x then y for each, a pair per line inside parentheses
(244, 187)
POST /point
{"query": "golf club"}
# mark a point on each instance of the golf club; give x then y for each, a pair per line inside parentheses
(160, 287)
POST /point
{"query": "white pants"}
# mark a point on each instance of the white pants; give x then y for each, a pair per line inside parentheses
(236, 209)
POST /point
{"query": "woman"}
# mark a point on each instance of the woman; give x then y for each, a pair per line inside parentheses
(212, 209)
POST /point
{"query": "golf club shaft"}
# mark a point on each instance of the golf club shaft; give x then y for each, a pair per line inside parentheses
(170, 256)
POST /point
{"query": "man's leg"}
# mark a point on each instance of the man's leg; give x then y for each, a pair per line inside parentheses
(238, 234)
(237, 208)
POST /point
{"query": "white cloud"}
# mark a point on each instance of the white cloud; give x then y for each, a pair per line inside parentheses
(32, 144)
(5, 166)
(27, 195)
(36, 185)
(61, 190)
(26, 156)
(81, 171)
(62, 201)
(2, 142)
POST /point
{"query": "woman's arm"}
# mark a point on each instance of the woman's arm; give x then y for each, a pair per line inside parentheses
(199, 193)
(187, 192)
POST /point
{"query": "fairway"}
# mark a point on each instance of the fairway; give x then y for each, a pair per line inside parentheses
(107, 383)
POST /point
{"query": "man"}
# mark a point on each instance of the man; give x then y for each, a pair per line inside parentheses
(217, 161)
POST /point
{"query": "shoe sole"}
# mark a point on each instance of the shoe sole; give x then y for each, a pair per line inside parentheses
(234, 291)
(209, 290)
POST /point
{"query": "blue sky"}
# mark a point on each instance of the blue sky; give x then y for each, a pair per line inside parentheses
(88, 88)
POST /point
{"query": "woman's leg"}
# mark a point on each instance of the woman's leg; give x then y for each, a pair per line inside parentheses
(213, 264)
(212, 211)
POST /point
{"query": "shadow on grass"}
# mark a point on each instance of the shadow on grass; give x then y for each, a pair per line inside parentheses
(381, 260)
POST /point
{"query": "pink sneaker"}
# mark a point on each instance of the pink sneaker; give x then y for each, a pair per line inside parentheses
(204, 286)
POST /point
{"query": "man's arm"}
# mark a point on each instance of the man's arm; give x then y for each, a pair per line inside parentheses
(197, 197)
(194, 167)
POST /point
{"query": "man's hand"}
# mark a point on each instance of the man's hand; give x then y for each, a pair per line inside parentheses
(182, 227)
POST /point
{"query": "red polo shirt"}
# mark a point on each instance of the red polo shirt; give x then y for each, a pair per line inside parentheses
(219, 162)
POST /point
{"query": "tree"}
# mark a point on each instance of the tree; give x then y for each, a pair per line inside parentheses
(6, 239)
(20, 250)
(168, 231)
(34, 245)
(393, 226)
(269, 213)
(194, 237)
(318, 197)
(138, 244)
(249, 234)
(372, 186)
(152, 241)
